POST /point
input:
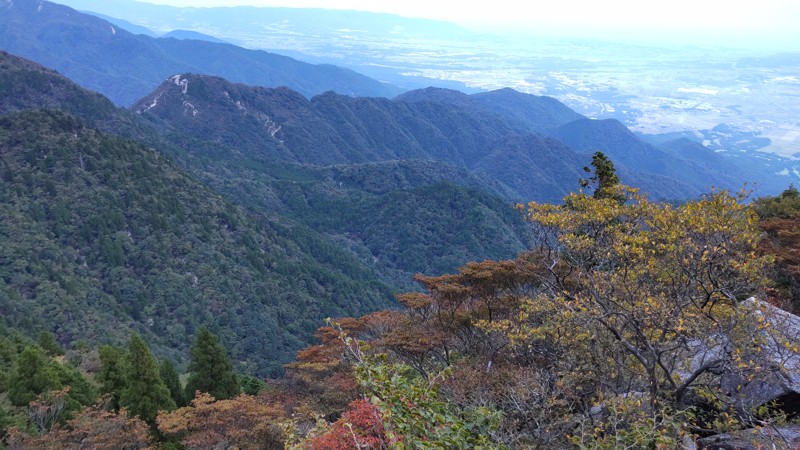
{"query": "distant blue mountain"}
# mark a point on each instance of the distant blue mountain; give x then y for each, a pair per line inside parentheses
(125, 67)
(125, 25)
(192, 35)
(316, 21)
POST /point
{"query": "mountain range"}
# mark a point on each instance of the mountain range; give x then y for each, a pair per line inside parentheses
(111, 238)
(125, 66)
(545, 142)
(259, 209)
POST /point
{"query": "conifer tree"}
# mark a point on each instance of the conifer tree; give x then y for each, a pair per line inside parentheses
(113, 374)
(33, 374)
(251, 385)
(173, 382)
(145, 393)
(38, 377)
(81, 391)
(210, 370)
(605, 178)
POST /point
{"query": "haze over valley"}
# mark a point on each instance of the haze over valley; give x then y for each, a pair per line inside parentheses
(666, 83)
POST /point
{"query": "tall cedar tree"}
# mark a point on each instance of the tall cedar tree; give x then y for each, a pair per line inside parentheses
(210, 370)
(113, 374)
(145, 394)
(173, 382)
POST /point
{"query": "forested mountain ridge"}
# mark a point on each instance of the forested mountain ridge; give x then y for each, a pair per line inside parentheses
(396, 217)
(480, 133)
(25, 84)
(532, 113)
(102, 237)
(124, 66)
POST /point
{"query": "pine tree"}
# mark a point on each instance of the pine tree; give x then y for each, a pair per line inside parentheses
(145, 394)
(210, 370)
(605, 178)
(113, 374)
(173, 382)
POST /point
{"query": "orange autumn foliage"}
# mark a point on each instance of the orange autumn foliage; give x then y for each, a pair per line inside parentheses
(92, 428)
(244, 422)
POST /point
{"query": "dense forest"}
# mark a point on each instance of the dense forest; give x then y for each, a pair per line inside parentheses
(102, 237)
(626, 324)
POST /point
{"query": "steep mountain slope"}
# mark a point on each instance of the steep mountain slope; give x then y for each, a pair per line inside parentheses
(124, 24)
(301, 20)
(534, 167)
(328, 129)
(33, 85)
(335, 200)
(406, 217)
(25, 84)
(101, 236)
(332, 36)
(125, 67)
(487, 135)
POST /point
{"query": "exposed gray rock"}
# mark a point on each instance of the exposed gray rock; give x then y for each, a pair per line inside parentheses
(783, 438)
(775, 351)
(783, 345)
(779, 354)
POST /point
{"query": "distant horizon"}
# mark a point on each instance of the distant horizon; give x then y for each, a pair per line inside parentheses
(771, 24)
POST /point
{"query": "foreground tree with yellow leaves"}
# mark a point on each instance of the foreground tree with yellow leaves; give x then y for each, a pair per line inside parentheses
(641, 307)
(626, 326)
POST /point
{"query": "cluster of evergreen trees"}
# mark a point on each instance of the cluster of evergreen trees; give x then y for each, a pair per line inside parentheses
(44, 387)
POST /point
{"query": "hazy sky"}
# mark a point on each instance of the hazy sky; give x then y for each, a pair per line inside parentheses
(776, 17)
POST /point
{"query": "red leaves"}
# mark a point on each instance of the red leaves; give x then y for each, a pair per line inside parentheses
(358, 428)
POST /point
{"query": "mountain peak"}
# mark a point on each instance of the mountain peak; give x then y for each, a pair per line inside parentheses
(218, 110)
(188, 91)
(176, 89)
(435, 94)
